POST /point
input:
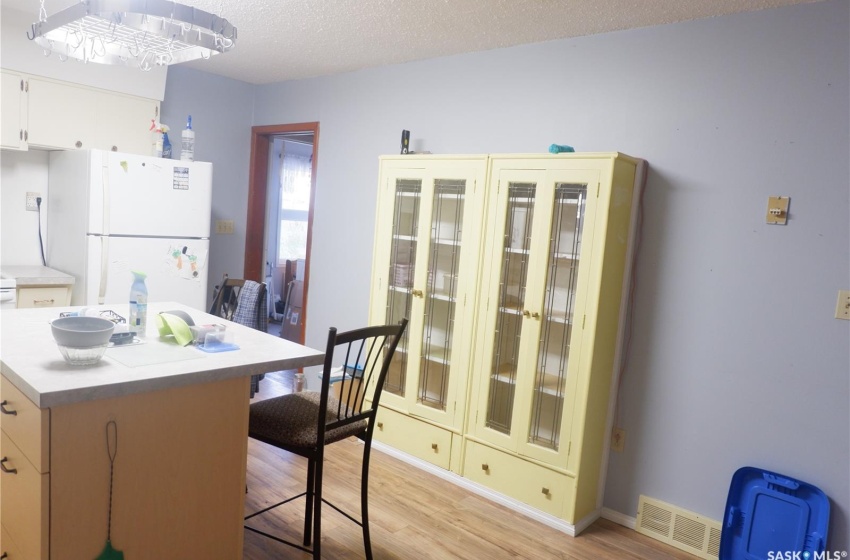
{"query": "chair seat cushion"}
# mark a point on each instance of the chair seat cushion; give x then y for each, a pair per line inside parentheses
(291, 420)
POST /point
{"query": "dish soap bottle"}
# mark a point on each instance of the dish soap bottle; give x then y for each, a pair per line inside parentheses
(166, 146)
(138, 304)
(187, 152)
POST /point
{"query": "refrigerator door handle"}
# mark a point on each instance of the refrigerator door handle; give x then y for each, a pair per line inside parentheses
(104, 269)
(105, 180)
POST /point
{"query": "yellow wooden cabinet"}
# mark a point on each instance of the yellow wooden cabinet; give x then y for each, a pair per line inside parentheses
(542, 298)
(427, 248)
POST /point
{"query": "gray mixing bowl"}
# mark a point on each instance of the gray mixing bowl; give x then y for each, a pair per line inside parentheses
(82, 332)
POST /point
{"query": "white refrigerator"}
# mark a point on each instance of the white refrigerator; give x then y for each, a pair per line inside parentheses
(110, 213)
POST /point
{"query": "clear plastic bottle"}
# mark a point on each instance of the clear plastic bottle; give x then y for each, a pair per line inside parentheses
(298, 383)
(187, 149)
(138, 319)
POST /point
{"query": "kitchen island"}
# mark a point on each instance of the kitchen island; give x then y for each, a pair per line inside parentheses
(182, 432)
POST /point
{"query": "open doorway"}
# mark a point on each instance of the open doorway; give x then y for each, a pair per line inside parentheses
(280, 228)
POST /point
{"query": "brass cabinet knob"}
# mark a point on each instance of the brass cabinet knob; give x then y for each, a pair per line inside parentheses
(526, 313)
(485, 467)
(417, 293)
(434, 446)
(79, 144)
(536, 315)
(380, 425)
(545, 491)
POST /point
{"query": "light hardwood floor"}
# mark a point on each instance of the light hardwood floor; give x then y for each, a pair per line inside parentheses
(414, 515)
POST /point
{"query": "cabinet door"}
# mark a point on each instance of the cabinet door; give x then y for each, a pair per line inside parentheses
(427, 258)
(534, 277)
(60, 115)
(14, 110)
(126, 126)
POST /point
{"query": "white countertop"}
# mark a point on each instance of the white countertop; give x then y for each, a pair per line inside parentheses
(30, 359)
(27, 276)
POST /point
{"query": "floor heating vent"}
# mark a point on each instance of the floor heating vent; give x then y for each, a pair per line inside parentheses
(682, 529)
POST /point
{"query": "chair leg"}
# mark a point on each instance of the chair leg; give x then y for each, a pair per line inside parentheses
(317, 519)
(364, 499)
(308, 508)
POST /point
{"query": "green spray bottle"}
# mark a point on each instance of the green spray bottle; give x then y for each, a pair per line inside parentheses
(138, 304)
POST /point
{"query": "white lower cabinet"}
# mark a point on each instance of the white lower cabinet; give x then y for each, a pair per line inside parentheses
(511, 270)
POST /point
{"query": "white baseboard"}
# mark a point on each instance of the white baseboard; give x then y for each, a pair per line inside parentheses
(492, 495)
(619, 518)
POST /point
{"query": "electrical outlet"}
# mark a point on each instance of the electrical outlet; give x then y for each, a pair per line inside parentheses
(618, 439)
(842, 308)
(32, 203)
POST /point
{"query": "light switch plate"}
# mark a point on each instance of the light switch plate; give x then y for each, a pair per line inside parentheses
(224, 226)
(842, 308)
(777, 209)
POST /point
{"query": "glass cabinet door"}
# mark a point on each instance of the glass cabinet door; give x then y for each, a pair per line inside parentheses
(446, 233)
(432, 259)
(531, 276)
(402, 266)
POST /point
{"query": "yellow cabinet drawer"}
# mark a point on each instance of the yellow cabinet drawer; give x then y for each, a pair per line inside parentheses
(26, 424)
(417, 438)
(8, 549)
(513, 476)
(24, 507)
(44, 297)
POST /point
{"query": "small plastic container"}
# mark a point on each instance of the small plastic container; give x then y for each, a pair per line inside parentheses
(219, 341)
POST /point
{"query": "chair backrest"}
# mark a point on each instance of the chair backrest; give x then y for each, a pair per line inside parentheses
(241, 301)
(366, 355)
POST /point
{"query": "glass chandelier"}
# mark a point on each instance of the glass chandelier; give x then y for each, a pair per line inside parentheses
(145, 33)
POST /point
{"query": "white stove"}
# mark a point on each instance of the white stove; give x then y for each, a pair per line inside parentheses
(7, 293)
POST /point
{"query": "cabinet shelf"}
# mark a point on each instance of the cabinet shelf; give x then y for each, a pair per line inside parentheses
(443, 297)
(452, 242)
(405, 237)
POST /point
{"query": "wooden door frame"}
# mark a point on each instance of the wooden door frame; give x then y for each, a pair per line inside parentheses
(255, 226)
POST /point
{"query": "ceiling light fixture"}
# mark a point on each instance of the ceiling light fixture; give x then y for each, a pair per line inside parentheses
(145, 33)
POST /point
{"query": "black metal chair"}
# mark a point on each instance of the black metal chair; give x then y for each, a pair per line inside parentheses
(244, 302)
(304, 423)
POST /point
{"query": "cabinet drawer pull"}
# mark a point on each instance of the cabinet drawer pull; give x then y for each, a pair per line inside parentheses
(78, 144)
(417, 293)
(45, 302)
(536, 315)
(485, 467)
(6, 470)
(434, 446)
(26, 135)
(526, 313)
(114, 148)
(5, 410)
(21, 134)
(380, 425)
(545, 491)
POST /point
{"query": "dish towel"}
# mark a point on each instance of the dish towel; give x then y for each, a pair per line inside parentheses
(250, 311)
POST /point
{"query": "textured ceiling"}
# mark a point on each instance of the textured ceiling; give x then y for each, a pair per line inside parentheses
(290, 39)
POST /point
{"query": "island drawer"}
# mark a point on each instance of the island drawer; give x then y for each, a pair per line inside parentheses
(26, 424)
(513, 476)
(8, 546)
(25, 504)
(420, 439)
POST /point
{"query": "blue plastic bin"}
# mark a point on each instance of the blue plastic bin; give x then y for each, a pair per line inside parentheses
(768, 514)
